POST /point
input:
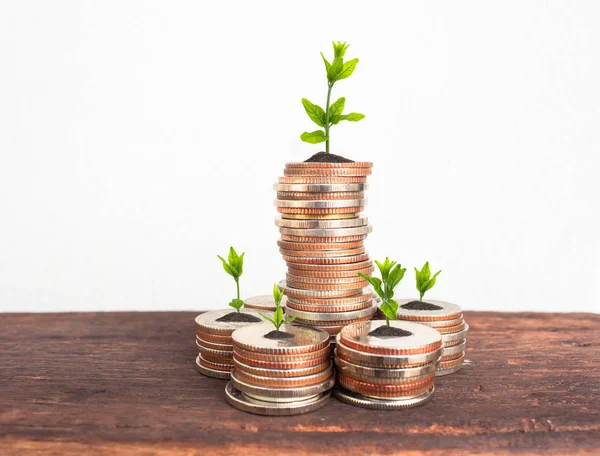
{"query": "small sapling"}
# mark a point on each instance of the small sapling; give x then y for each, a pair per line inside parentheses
(424, 280)
(234, 266)
(391, 275)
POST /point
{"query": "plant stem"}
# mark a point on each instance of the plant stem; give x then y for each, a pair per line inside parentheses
(421, 296)
(237, 284)
(329, 87)
(387, 320)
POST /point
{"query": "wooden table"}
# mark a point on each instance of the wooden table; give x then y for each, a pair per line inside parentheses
(126, 383)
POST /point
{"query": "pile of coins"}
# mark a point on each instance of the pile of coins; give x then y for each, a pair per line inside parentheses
(448, 319)
(262, 302)
(387, 368)
(322, 243)
(285, 372)
(214, 344)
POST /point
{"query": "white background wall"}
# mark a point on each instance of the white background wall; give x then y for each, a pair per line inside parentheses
(140, 139)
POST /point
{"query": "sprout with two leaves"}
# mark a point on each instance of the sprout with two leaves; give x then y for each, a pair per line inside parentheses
(234, 266)
(278, 318)
(424, 280)
(391, 275)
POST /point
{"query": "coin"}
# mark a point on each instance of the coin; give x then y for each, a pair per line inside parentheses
(384, 374)
(249, 356)
(306, 292)
(213, 337)
(451, 329)
(303, 196)
(211, 372)
(322, 180)
(247, 404)
(216, 366)
(419, 338)
(299, 370)
(320, 204)
(354, 287)
(376, 360)
(450, 357)
(333, 330)
(359, 400)
(284, 382)
(452, 363)
(321, 224)
(364, 296)
(386, 390)
(213, 345)
(459, 335)
(271, 394)
(331, 267)
(329, 172)
(460, 347)
(330, 316)
(263, 302)
(332, 309)
(322, 253)
(326, 232)
(331, 274)
(442, 372)
(252, 338)
(208, 322)
(328, 323)
(214, 355)
(441, 310)
(329, 165)
(320, 188)
(334, 217)
(441, 323)
(287, 237)
(321, 211)
(325, 280)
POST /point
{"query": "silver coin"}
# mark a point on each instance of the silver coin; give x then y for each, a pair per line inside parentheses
(442, 372)
(211, 372)
(321, 188)
(263, 302)
(332, 316)
(376, 360)
(207, 322)
(325, 280)
(278, 372)
(447, 351)
(420, 338)
(321, 224)
(226, 354)
(283, 382)
(304, 340)
(248, 404)
(321, 294)
(459, 335)
(285, 395)
(447, 311)
(359, 400)
(364, 296)
(213, 345)
(280, 358)
(319, 254)
(327, 233)
(439, 323)
(352, 370)
(321, 204)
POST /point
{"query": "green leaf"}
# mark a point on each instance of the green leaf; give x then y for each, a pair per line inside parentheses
(315, 112)
(327, 64)
(352, 117)
(266, 318)
(339, 49)
(376, 282)
(334, 70)
(278, 316)
(277, 294)
(314, 137)
(384, 268)
(237, 304)
(396, 276)
(390, 308)
(347, 69)
(289, 319)
(228, 270)
(336, 108)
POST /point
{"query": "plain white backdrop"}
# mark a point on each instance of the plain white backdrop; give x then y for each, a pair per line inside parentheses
(138, 140)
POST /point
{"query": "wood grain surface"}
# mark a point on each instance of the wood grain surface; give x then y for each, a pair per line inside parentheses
(125, 383)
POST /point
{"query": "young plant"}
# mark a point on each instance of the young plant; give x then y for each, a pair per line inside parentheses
(332, 114)
(234, 267)
(278, 319)
(424, 280)
(384, 287)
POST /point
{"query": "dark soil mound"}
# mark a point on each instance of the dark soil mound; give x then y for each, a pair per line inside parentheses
(324, 157)
(276, 335)
(420, 305)
(386, 332)
(238, 317)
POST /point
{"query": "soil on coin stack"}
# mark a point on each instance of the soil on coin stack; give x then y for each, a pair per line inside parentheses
(238, 317)
(420, 305)
(278, 335)
(386, 332)
(324, 157)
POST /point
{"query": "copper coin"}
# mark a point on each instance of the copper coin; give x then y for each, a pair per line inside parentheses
(325, 316)
(354, 286)
(252, 338)
(419, 338)
(279, 357)
(389, 381)
(322, 179)
(329, 165)
(332, 309)
(330, 274)
(439, 323)
(364, 296)
(360, 237)
(321, 211)
(204, 350)
(213, 337)
(383, 375)
(452, 363)
(293, 260)
(452, 329)
(305, 196)
(384, 391)
(332, 267)
(446, 358)
(440, 310)
(284, 382)
(454, 343)
(214, 345)
(460, 335)
(281, 373)
(281, 365)
(215, 366)
(223, 375)
(301, 293)
(319, 217)
(322, 253)
(220, 359)
(325, 281)
(300, 247)
(327, 172)
(318, 224)
(208, 322)
(328, 324)
(262, 303)
(376, 360)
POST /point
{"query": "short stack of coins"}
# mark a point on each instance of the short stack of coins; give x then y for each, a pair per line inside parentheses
(448, 319)
(387, 367)
(280, 375)
(322, 243)
(214, 344)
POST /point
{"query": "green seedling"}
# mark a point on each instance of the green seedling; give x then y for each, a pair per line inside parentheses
(424, 280)
(391, 275)
(278, 319)
(332, 114)
(234, 267)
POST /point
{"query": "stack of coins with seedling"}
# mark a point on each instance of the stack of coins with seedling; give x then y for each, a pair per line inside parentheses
(286, 371)
(387, 367)
(448, 319)
(322, 243)
(213, 340)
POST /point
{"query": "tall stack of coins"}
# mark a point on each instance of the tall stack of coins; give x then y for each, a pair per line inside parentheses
(386, 367)
(448, 319)
(213, 340)
(322, 243)
(262, 303)
(285, 372)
